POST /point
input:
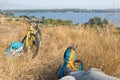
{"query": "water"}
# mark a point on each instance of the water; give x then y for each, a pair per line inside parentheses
(80, 17)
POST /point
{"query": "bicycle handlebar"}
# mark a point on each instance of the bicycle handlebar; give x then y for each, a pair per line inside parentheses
(31, 20)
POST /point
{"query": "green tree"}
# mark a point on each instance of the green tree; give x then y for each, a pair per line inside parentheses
(96, 21)
(105, 21)
(43, 18)
(91, 22)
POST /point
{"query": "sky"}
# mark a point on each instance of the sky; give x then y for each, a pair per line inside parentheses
(59, 4)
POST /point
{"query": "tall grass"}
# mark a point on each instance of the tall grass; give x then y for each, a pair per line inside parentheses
(96, 47)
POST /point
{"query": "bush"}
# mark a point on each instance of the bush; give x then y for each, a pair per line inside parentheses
(56, 21)
(96, 21)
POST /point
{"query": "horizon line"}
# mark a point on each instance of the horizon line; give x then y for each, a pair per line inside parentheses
(61, 9)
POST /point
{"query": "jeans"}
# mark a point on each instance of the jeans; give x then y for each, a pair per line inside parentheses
(90, 74)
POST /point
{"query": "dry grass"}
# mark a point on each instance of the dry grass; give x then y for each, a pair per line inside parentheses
(95, 47)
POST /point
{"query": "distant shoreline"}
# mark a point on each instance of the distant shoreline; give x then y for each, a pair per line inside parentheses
(64, 10)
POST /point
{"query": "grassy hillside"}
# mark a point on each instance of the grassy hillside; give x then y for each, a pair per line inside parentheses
(96, 47)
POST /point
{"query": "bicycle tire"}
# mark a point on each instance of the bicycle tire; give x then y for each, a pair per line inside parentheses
(39, 36)
(35, 42)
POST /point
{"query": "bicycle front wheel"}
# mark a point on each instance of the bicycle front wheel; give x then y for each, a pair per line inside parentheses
(32, 43)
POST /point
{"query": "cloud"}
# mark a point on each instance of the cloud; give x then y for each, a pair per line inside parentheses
(3, 1)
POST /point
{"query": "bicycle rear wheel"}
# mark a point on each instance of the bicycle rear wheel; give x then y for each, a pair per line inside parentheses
(39, 36)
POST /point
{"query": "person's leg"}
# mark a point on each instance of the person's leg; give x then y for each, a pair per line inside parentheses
(68, 78)
(67, 71)
(91, 74)
(96, 74)
(69, 57)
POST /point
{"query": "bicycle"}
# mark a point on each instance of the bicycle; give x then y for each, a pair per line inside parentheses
(33, 38)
